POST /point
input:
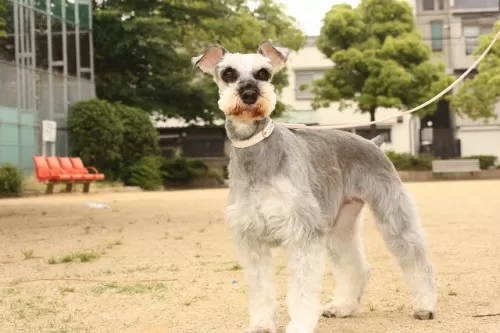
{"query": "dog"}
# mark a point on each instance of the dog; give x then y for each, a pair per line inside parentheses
(303, 190)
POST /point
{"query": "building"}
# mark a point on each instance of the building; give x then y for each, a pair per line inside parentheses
(451, 28)
(46, 64)
(309, 64)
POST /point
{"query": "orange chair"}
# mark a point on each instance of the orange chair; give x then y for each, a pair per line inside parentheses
(42, 169)
(77, 174)
(82, 169)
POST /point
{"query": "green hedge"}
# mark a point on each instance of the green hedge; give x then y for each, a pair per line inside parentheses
(146, 173)
(11, 180)
(186, 170)
(405, 162)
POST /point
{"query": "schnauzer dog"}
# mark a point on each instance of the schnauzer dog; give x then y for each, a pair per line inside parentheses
(303, 189)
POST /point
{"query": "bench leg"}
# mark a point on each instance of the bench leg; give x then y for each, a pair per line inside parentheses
(50, 188)
(69, 187)
(86, 187)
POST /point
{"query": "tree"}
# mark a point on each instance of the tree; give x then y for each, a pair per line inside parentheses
(379, 57)
(3, 21)
(143, 49)
(96, 135)
(477, 97)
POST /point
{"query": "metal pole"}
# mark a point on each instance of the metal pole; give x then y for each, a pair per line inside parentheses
(65, 62)
(22, 58)
(77, 46)
(91, 46)
(33, 59)
(49, 55)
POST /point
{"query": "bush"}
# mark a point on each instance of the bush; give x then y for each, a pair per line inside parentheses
(485, 161)
(11, 180)
(96, 135)
(146, 173)
(185, 170)
(140, 138)
(405, 161)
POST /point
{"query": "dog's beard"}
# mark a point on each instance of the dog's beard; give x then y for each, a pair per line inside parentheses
(231, 104)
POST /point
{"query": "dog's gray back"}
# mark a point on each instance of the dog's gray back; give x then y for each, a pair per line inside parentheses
(331, 165)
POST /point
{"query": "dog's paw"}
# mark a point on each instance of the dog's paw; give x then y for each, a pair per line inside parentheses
(260, 329)
(341, 308)
(424, 314)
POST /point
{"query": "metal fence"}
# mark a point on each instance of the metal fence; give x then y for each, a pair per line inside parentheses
(46, 64)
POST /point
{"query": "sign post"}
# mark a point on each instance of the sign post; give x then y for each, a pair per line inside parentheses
(49, 134)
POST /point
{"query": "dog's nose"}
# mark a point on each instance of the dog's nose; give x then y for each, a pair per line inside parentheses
(249, 97)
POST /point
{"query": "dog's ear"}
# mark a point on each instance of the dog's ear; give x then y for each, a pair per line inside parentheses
(276, 55)
(209, 59)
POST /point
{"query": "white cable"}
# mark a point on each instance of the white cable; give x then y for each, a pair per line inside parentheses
(442, 93)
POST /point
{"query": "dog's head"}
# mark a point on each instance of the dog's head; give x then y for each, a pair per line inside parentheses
(244, 80)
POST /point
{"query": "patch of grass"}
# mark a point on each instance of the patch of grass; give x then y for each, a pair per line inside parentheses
(115, 243)
(235, 267)
(77, 256)
(179, 238)
(65, 290)
(87, 229)
(138, 288)
(452, 293)
(371, 306)
(173, 268)
(28, 254)
(52, 261)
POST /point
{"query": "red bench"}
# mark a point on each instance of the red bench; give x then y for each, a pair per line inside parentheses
(64, 170)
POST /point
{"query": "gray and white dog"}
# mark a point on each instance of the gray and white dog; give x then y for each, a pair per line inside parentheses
(304, 189)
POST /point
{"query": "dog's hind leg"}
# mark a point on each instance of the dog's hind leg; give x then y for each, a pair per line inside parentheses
(352, 272)
(398, 222)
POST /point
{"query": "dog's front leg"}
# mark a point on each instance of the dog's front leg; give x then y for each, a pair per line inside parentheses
(306, 265)
(257, 262)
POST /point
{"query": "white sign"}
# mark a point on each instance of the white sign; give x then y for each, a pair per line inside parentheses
(49, 130)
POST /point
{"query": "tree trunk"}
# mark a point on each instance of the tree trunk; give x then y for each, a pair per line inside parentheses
(373, 127)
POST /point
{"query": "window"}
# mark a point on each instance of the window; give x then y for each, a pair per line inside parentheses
(365, 133)
(471, 34)
(305, 79)
(437, 35)
(441, 4)
(428, 4)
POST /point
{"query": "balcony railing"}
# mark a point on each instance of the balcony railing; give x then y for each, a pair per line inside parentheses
(475, 6)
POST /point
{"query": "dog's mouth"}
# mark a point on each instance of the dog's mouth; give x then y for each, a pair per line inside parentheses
(255, 110)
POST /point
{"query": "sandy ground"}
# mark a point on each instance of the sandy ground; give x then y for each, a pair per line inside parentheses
(179, 240)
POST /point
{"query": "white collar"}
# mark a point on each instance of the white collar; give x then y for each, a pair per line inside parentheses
(256, 138)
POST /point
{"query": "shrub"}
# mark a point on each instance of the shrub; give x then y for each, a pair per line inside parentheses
(405, 161)
(485, 161)
(185, 170)
(11, 180)
(140, 138)
(146, 173)
(96, 135)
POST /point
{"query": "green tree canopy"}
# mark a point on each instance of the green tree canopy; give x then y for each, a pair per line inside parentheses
(379, 57)
(143, 49)
(477, 97)
(3, 21)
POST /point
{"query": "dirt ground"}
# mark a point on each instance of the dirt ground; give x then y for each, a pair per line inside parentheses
(164, 262)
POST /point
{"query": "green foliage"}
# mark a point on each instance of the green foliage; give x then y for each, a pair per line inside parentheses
(485, 161)
(143, 49)
(380, 60)
(11, 180)
(3, 21)
(96, 135)
(140, 138)
(405, 161)
(478, 96)
(146, 173)
(186, 170)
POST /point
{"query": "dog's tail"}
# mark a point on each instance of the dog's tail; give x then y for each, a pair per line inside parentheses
(378, 140)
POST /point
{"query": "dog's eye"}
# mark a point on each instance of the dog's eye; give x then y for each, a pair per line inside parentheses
(263, 75)
(229, 75)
